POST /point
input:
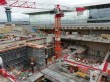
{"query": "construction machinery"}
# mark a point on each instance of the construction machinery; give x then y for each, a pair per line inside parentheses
(58, 11)
(58, 15)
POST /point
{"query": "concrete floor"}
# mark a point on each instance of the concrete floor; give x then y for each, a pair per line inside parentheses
(60, 76)
(53, 73)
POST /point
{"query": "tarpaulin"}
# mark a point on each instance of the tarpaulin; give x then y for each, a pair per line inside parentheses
(3, 2)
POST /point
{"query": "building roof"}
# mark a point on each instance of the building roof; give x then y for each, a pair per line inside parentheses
(96, 5)
(45, 12)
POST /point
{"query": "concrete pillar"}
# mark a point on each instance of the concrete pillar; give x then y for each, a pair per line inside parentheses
(8, 14)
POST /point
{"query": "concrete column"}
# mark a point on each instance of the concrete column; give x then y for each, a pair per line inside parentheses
(8, 14)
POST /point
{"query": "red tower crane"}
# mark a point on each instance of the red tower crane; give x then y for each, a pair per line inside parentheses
(58, 15)
(35, 5)
(58, 48)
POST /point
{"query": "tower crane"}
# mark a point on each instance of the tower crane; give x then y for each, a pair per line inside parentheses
(58, 15)
(57, 9)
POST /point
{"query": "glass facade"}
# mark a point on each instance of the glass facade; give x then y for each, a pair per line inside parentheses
(99, 15)
(69, 18)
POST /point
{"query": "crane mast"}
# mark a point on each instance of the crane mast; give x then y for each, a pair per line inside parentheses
(58, 48)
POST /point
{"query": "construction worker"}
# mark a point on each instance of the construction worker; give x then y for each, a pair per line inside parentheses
(32, 63)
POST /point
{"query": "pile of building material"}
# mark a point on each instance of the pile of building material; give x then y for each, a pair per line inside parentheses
(6, 29)
(105, 36)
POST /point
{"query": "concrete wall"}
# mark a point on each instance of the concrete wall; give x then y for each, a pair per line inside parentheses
(93, 47)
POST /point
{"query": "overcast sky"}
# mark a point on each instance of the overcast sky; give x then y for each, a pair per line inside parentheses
(17, 12)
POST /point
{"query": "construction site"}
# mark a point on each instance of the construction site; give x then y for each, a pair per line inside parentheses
(56, 43)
